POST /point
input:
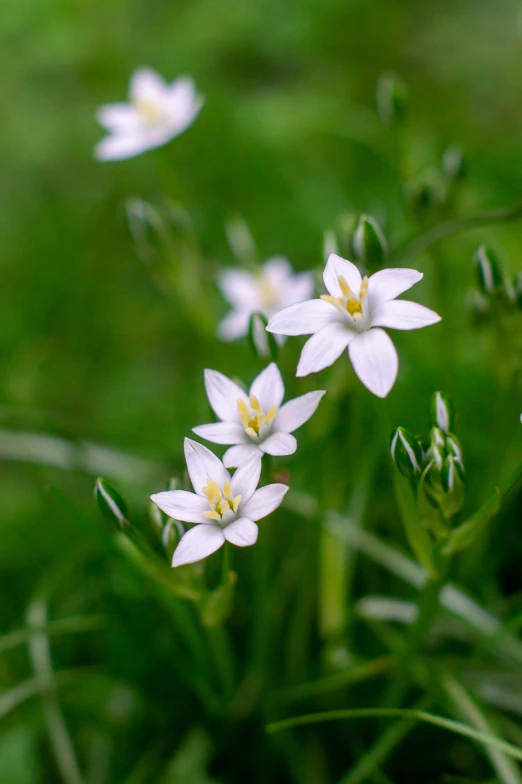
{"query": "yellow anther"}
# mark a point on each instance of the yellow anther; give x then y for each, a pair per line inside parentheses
(255, 405)
(270, 415)
(222, 507)
(149, 111)
(364, 289)
(227, 491)
(250, 432)
(336, 301)
(212, 515)
(345, 288)
(236, 502)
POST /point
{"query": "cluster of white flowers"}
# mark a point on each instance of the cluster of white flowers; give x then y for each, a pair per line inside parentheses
(352, 315)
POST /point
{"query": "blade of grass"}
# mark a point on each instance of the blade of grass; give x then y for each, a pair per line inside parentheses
(506, 769)
(333, 683)
(73, 625)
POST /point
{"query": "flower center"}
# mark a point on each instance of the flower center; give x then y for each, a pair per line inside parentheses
(349, 301)
(253, 417)
(267, 292)
(220, 501)
(149, 111)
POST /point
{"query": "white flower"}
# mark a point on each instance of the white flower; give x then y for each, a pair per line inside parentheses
(351, 316)
(256, 423)
(224, 507)
(275, 286)
(155, 114)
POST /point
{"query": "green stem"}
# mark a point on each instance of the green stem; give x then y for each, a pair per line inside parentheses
(455, 226)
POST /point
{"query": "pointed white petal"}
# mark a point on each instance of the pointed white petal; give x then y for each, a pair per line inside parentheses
(337, 267)
(375, 361)
(122, 146)
(198, 543)
(223, 394)
(242, 532)
(237, 455)
(304, 318)
(182, 505)
(147, 85)
(235, 325)
(203, 464)
(389, 283)
(324, 348)
(297, 411)
(222, 433)
(268, 387)
(246, 478)
(402, 314)
(299, 289)
(118, 117)
(240, 288)
(278, 270)
(279, 444)
(264, 501)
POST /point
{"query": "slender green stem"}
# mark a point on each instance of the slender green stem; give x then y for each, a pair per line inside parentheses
(455, 226)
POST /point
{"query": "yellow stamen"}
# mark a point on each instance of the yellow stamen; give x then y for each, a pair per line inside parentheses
(250, 432)
(270, 414)
(354, 308)
(336, 301)
(345, 288)
(227, 491)
(364, 289)
(211, 515)
(149, 111)
(222, 507)
(255, 405)
(236, 502)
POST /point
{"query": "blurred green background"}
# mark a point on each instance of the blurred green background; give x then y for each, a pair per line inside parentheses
(97, 350)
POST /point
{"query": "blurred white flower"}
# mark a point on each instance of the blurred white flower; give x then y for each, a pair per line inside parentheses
(224, 507)
(155, 114)
(275, 286)
(351, 316)
(256, 423)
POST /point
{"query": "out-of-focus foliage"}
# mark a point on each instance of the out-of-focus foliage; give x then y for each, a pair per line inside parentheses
(108, 314)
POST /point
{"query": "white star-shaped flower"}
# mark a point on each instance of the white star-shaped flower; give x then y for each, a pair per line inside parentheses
(256, 423)
(351, 316)
(225, 508)
(274, 287)
(155, 114)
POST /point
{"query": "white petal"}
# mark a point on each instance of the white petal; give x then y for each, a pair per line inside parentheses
(279, 444)
(402, 314)
(278, 271)
(298, 411)
(264, 501)
(240, 288)
(268, 387)
(246, 478)
(324, 348)
(375, 360)
(389, 283)
(299, 289)
(242, 532)
(118, 117)
(182, 505)
(303, 318)
(222, 433)
(337, 267)
(121, 146)
(235, 325)
(203, 464)
(237, 455)
(147, 85)
(223, 394)
(198, 543)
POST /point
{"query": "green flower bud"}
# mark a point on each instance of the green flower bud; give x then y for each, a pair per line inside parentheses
(442, 412)
(369, 243)
(454, 449)
(406, 453)
(110, 502)
(263, 343)
(437, 438)
(392, 98)
(453, 163)
(437, 455)
(452, 478)
(489, 274)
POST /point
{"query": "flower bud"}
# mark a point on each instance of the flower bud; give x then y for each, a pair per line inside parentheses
(452, 478)
(406, 453)
(369, 243)
(110, 502)
(263, 343)
(437, 438)
(453, 163)
(392, 98)
(437, 455)
(487, 265)
(454, 449)
(442, 412)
